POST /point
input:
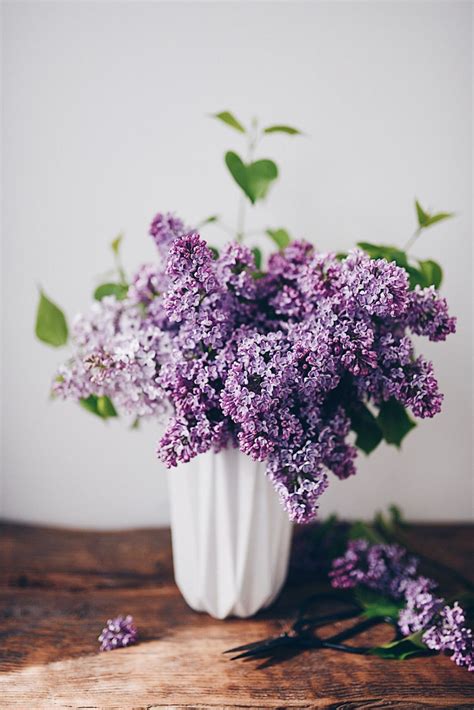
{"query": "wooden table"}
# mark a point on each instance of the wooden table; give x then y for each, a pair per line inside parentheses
(58, 587)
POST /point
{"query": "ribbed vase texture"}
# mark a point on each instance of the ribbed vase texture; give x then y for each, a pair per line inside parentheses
(231, 537)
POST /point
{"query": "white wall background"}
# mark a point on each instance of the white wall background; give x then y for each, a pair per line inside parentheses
(105, 122)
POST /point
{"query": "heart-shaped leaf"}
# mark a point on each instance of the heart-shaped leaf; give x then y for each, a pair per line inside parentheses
(364, 424)
(237, 169)
(51, 326)
(255, 178)
(260, 175)
(229, 118)
(283, 129)
(394, 422)
(110, 289)
(280, 237)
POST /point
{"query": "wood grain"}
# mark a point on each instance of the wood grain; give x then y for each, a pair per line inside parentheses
(57, 588)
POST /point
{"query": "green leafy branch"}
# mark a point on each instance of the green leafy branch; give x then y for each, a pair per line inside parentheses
(254, 177)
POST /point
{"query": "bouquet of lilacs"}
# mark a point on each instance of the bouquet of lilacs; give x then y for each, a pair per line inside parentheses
(299, 362)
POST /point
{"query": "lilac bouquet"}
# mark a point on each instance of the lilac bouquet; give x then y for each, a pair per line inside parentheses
(299, 363)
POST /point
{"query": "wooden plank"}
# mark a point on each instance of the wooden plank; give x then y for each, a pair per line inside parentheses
(58, 587)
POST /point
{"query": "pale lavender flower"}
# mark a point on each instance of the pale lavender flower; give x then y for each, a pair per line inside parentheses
(421, 604)
(450, 633)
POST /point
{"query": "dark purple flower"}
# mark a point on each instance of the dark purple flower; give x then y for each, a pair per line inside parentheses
(384, 568)
(118, 633)
(428, 315)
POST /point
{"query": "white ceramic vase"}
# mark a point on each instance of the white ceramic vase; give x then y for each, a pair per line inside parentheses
(231, 537)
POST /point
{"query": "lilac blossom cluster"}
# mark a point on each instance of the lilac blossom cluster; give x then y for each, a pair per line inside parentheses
(120, 345)
(273, 362)
(389, 570)
(118, 633)
(116, 354)
(385, 568)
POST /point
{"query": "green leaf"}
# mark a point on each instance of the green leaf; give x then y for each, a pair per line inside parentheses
(425, 219)
(363, 422)
(229, 118)
(101, 406)
(381, 251)
(237, 169)
(115, 245)
(415, 277)
(360, 530)
(421, 214)
(260, 175)
(51, 325)
(283, 129)
(396, 516)
(375, 604)
(404, 648)
(432, 273)
(439, 217)
(257, 255)
(118, 290)
(254, 179)
(394, 422)
(215, 252)
(105, 408)
(280, 237)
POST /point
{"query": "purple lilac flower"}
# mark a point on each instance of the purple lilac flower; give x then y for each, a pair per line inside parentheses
(118, 633)
(384, 568)
(117, 353)
(164, 229)
(450, 633)
(421, 604)
(148, 283)
(390, 570)
(271, 363)
(428, 315)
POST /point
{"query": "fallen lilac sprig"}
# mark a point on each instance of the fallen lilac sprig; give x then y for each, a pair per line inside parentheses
(118, 633)
(389, 569)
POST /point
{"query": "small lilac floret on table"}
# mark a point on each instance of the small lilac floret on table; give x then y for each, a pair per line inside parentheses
(118, 633)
